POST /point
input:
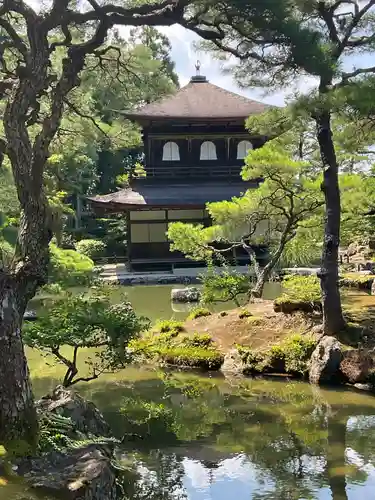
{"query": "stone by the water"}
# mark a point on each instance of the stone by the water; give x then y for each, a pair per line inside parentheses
(86, 417)
(188, 294)
(82, 474)
(233, 364)
(356, 365)
(325, 361)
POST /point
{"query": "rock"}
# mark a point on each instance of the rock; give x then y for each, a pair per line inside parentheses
(373, 288)
(356, 365)
(81, 474)
(325, 361)
(289, 306)
(233, 363)
(352, 249)
(30, 316)
(364, 387)
(84, 414)
(188, 294)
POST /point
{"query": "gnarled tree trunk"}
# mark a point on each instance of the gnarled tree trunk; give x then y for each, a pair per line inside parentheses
(333, 319)
(18, 420)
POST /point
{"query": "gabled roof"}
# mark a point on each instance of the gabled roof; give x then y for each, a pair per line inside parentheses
(199, 100)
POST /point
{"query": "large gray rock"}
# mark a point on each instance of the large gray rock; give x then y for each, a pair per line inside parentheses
(82, 474)
(86, 417)
(325, 361)
(356, 365)
(233, 364)
(188, 294)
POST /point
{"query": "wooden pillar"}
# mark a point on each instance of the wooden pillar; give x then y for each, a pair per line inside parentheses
(128, 240)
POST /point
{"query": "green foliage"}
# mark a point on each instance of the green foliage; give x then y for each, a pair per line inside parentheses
(93, 249)
(70, 268)
(303, 288)
(199, 312)
(356, 280)
(87, 320)
(291, 356)
(53, 289)
(244, 314)
(169, 326)
(197, 350)
(224, 286)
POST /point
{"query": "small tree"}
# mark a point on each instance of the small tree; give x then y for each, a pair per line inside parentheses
(271, 214)
(86, 321)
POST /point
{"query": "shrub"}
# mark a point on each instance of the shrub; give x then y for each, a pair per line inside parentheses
(169, 325)
(70, 268)
(195, 351)
(88, 320)
(91, 248)
(290, 356)
(52, 288)
(356, 280)
(6, 253)
(224, 287)
(199, 312)
(244, 314)
(300, 293)
(197, 340)
(255, 320)
(302, 288)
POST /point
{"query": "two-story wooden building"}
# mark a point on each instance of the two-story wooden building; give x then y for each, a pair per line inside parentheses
(195, 143)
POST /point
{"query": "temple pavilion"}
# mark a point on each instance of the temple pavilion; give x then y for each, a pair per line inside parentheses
(195, 142)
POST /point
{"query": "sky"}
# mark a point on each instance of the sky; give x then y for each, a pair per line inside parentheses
(185, 56)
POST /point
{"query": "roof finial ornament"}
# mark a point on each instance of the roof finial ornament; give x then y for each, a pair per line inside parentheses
(198, 68)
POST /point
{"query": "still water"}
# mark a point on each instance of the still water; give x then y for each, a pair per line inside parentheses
(155, 301)
(189, 437)
(192, 437)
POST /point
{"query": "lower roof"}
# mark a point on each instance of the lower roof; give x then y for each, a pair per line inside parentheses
(170, 195)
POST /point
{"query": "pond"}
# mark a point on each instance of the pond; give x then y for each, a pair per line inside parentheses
(154, 301)
(191, 437)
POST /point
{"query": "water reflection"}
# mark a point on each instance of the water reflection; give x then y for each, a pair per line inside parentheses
(201, 439)
(195, 438)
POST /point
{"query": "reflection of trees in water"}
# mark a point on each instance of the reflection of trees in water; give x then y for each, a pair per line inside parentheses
(159, 477)
(293, 438)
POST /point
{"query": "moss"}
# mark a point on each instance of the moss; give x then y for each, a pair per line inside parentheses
(222, 314)
(244, 314)
(199, 312)
(356, 280)
(191, 351)
(290, 356)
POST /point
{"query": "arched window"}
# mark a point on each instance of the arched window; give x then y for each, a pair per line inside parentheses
(171, 152)
(242, 149)
(208, 151)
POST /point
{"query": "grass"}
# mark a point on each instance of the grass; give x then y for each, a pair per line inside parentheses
(169, 325)
(245, 314)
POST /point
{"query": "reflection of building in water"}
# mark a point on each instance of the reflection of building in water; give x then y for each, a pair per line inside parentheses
(195, 143)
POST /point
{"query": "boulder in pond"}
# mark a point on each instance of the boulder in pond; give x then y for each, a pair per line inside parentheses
(85, 415)
(356, 365)
(325, 361)
(233, 363)
(188, 294)
(82, 474)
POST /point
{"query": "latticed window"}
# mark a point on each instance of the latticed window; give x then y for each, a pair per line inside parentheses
(208, 151)
(243, 148)
(171, 152)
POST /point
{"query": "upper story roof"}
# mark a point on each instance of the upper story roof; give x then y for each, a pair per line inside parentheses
(200, 100)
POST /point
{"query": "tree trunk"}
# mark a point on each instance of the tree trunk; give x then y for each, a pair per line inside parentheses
(333, 319)
(18, 421)
(336, 459)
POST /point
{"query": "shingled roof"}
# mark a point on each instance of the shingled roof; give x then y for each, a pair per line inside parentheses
(200, 99)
